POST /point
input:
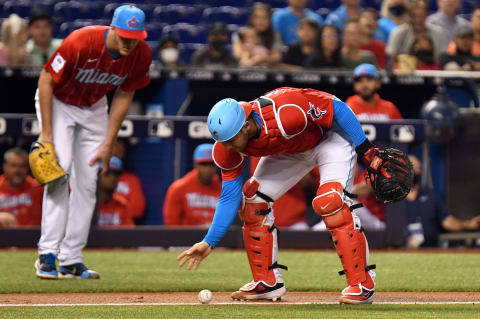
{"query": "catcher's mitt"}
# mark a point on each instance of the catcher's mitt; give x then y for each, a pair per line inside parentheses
(43, 163)
(391, 175)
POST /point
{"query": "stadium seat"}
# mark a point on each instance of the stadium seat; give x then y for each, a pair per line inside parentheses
(226, 14)
(176, 13)
(188, 50)
(22, 8)
(154, 30)
(72, 10)
(186, 33)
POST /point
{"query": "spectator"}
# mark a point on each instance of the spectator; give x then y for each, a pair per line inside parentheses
(191, 200)
(261, 21)
(349, 10)
(14, 38)
(462, 59)
(394, 13)
(328, 53)
(421, 57)
(253, 52)
(112, 208)
(285, 21)
(369, 106)
(216, 54)
(20, 195)
(129, 185)
(351, 53)
(446, 17)
(298, 53)
(475, 23)
(427, 215)
(402, 37)
(41, 46)
(368, 25)
(169, 52)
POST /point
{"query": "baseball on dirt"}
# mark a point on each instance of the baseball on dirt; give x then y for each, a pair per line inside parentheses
(205, 296)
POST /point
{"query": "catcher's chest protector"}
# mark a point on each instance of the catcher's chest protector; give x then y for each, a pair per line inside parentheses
(284, 131)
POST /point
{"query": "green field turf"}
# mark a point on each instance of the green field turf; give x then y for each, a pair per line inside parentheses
(136, 271)
(257, 312)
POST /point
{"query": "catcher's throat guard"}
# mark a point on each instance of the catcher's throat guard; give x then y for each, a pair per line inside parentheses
(43, 163)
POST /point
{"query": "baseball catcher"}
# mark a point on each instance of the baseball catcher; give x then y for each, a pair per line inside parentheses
(294, 130)
(43, 163)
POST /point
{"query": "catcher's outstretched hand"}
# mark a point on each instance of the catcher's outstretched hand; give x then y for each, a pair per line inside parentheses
(195, 254)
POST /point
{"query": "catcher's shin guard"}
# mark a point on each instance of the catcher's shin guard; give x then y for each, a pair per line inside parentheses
(260, 238)
(349, 240)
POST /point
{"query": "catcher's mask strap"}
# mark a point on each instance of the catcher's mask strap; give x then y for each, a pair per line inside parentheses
(355, 206)
(277, 265)
(350, 194)
(272, 228)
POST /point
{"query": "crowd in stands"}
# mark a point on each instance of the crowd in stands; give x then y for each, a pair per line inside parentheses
(403, 35)
(303, 34)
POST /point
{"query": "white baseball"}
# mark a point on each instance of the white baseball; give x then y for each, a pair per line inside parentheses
(205, 296)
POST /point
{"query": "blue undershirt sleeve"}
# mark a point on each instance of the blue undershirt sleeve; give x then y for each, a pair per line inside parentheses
(347, 121)
(226, 210)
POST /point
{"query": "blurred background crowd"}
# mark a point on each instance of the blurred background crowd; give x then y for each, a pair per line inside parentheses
(362, 36)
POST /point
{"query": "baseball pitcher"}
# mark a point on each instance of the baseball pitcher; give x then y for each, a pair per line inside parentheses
(72, 108)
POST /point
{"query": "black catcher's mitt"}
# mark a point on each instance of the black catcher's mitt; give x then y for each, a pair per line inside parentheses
(391, 174)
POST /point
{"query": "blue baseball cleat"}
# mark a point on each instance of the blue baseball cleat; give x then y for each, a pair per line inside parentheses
(78, 270)
(45, 267)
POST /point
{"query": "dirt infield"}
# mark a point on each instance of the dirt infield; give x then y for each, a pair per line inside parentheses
(224, 298)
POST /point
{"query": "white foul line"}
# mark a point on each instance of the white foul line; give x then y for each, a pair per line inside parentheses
(246, 303)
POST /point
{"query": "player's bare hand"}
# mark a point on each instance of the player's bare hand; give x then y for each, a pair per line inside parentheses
(7, 220)
(103, 156)
(45, 137)
(472, 224)
(195, 254)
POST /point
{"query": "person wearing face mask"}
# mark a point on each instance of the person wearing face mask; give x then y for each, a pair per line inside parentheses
(393, 12)
(420, 57)
(462, 59)
(20, 195)
(168, 52)
(427, 215)
(216, 54)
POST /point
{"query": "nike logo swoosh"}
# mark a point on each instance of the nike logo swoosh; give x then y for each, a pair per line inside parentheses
(91, 60)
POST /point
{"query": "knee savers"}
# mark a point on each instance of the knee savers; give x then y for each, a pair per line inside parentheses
(255, 205)
(330, 205)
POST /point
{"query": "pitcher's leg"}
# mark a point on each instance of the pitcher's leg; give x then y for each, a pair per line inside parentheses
(55, 196)
(90, 136)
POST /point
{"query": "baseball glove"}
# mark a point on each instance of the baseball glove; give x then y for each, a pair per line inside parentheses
(43, 163)
(390, 174)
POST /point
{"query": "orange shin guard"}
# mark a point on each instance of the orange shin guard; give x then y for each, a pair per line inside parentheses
(351, 246)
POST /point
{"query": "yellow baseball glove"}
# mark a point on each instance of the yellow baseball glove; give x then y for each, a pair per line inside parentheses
(43, 163)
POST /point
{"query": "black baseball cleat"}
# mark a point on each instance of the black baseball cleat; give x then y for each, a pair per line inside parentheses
(260, 291)
(78, 270)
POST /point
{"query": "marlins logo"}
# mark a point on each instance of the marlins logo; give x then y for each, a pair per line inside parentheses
(133, 22)
(315, 112)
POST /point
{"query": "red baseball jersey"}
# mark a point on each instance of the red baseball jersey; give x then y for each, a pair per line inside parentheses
(293, 121)
(381, 110)
(114, 212)
(190, 203)
(25, 201)
(130, 187)
(84, 71)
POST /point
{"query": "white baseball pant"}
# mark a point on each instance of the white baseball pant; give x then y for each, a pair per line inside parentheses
(78, 133)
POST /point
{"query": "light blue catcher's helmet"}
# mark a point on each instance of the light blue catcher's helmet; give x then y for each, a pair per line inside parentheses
(225, 120)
